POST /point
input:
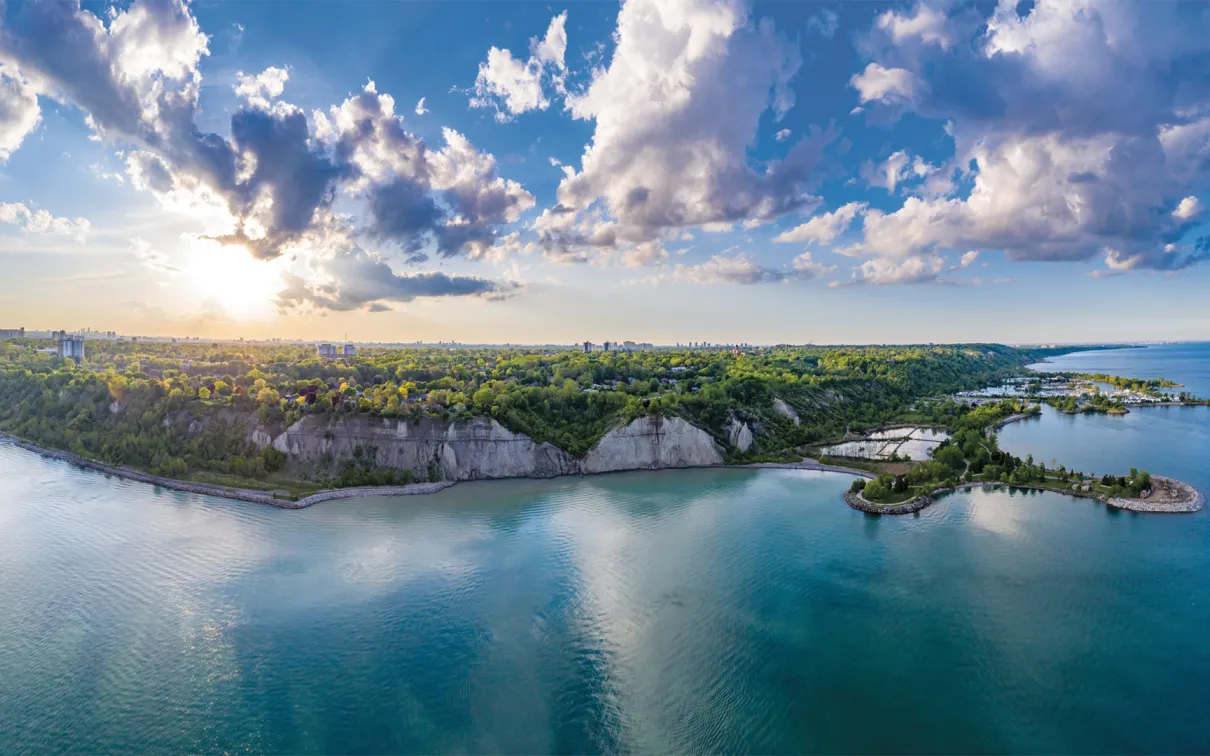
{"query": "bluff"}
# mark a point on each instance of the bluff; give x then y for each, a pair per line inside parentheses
(481, 448)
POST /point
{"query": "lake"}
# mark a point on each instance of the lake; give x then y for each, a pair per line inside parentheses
(1186, 363)
(678, 611)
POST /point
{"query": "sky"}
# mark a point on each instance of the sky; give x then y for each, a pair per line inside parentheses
(656, 170)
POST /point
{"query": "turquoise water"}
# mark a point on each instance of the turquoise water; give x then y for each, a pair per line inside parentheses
(689, 611)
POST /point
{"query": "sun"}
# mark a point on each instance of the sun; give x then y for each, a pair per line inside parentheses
(229, 276)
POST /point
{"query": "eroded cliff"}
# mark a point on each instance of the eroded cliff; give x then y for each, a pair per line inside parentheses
(481, 448)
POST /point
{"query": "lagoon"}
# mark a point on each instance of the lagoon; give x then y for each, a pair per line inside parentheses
(699, 610)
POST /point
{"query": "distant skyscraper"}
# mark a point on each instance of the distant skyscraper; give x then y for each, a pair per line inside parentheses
(71, 346)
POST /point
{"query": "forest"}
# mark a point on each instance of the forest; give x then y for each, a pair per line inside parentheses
(180, 409)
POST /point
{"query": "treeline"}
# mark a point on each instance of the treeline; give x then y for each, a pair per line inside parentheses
(179, 409)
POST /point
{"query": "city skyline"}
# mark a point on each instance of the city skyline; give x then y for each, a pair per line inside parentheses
(699, 170)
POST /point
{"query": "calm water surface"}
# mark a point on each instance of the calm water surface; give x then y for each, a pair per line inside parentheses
(692, 611)
(1187, 363)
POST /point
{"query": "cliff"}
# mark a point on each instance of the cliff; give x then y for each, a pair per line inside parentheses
(481, 448)
(651, 443)
(472, 450)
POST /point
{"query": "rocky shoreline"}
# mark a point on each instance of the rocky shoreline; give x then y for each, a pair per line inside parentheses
(859, 502)
(1191, 499)
(225, 492)
(1015, 418)
(283, 502)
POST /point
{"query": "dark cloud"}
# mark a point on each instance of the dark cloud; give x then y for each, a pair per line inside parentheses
(355, 279)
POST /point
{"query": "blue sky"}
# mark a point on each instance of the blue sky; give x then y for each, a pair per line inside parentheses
(657, 170)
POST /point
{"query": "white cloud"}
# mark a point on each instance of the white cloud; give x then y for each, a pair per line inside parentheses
(420, 109)
(825, 227)
(19, 111)
(925, 23)
(512, 86)
(269, 185)
(782, 135)
(42, 222)
(805, 266)
(887, 85)
(724, 269)
(889, 172)
(1078, 127)
(968, 258)
(674, 112)
(911, 271)
(258, 91)
(553, 46)
(1189, 208)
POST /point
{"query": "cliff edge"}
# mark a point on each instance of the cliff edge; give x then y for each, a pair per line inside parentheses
(481, 448)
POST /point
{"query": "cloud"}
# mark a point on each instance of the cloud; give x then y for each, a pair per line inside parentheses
(674, 113)
(886, 85)
(825, 227)
(19, 111)
(513, 87)
(352, 278)
(42, 222)
(1078, 128)
(258, 91)
(914, 270)
(968, 258)
(724, 269)
(782, 135)
(151, 257)
(1190, 208)
(826, 23)
(235, 37)
(901, 169)
(926, 24)
(135, 77)
(452, 198)
(805, 267)
(420, 109)
(273, 179)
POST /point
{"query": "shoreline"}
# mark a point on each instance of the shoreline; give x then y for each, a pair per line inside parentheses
(1195, 503)
(225, 492)
(414, 489)
(854, 500)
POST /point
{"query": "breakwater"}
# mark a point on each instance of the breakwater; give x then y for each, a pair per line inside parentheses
(1189, 499)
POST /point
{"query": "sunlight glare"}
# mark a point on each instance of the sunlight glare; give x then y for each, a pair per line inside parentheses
(229, 276)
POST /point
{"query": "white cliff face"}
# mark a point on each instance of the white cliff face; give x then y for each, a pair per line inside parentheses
(482, 448)
(785, 410)
(739, 435)
(650, 443)
(479, 448)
